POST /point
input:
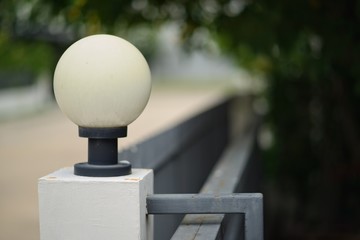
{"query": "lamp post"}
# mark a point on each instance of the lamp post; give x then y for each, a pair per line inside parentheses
(102, 83)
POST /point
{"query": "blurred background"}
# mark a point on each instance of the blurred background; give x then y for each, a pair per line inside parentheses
(298, 57)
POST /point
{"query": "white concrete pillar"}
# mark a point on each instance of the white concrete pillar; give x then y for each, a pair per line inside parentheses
(88, 208)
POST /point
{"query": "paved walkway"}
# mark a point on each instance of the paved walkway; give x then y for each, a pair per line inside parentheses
(37, 145)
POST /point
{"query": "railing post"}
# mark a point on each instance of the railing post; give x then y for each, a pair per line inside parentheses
(102, 83)
(84, 208)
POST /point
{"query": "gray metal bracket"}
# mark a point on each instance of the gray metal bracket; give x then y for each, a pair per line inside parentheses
(250, 204)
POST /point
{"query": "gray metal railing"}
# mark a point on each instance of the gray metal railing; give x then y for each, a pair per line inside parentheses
(215, 154)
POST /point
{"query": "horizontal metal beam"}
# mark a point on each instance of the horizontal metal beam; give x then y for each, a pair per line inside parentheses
(247, 203)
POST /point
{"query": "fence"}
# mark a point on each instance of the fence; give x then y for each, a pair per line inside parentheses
(214, 152)
(200, 167)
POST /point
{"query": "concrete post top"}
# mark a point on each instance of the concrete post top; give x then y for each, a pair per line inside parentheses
(75, 207)
(67, 175)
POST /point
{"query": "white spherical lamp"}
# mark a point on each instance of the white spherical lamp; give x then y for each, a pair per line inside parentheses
(102, 83)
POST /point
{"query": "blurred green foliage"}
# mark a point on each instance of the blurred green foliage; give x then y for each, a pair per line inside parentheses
(21, 59)
(308, 52)
(24, 56)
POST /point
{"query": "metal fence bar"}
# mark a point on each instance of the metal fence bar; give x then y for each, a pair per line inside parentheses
(224, 178)
(250, 204)
(205, 204)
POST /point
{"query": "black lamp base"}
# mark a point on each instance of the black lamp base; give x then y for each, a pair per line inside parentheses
(102, 153)
(91, 170)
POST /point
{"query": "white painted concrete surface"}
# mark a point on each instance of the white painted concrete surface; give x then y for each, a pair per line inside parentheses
(86, 208)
